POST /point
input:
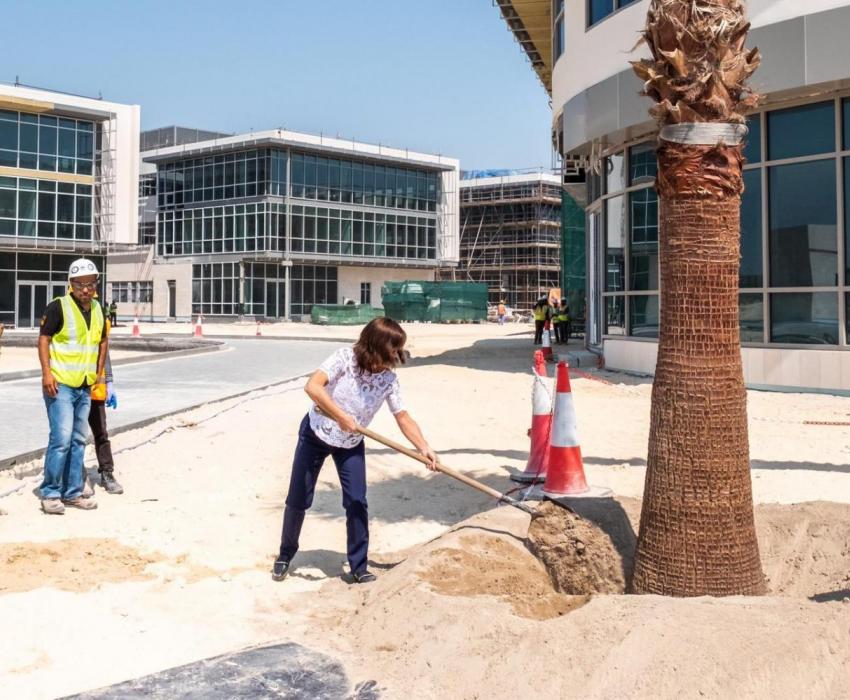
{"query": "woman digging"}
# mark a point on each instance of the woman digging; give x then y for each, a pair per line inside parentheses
(347, 390)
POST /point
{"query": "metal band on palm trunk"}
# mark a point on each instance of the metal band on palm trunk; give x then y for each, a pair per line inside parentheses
(704, 133)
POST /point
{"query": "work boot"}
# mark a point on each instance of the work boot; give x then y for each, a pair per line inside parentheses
(280, 570)
(81, 503)
(88, 489)
(52, 506)
(109, 484)
(364, 577)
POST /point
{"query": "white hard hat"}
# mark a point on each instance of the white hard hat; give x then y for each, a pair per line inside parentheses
(82, 268)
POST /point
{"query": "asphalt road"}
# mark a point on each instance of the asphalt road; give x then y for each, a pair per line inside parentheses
(161, 386)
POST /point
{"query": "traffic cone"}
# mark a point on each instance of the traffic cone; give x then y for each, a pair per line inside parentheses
(541, 425)
(548, 355)
(199, 327)
(258, 331)
(565, 476)
(136, 330)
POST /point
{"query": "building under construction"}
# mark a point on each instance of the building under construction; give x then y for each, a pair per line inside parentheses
(510, 235)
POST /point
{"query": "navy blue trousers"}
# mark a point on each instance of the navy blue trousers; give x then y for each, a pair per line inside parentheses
(310, 455)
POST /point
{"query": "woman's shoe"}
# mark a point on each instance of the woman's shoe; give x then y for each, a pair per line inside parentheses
(280, 569)
(364, 577)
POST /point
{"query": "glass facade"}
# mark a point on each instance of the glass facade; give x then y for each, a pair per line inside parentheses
(597, 10)
(45, 209)
(43, 142)
(28, 281)
(351, 182)
(306, 207)
(795, 230)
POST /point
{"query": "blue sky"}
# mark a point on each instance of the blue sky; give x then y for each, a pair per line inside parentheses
(441, 76)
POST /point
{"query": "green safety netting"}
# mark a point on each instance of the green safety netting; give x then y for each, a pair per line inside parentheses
(343, 314)
(435, 301)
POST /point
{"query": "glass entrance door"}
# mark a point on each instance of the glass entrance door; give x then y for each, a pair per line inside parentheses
(32, 300)
(275, 299)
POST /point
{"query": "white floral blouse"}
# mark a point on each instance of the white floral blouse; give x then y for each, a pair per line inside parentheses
(360, 395)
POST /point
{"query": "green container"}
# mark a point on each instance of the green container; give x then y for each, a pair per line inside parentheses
(343, 314)
(437, 302)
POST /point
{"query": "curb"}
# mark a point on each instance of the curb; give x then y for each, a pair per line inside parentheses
(10, 462)
(157, 354)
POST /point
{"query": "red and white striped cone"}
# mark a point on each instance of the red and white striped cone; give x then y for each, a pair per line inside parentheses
(565, 476)
(136, 330)
(199, 327)
(541, 425)
(258, 330)
(548, 355)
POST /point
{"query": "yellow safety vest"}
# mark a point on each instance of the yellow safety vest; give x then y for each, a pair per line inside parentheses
(539, 313)
(73, 350)
(98, 391)
(563, 316)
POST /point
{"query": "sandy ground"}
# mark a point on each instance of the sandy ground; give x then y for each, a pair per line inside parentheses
(176, 569)
(15, 359)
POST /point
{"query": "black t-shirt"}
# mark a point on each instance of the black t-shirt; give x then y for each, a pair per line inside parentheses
(53, 319)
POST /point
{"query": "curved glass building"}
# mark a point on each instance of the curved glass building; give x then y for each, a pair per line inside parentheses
(795, 217)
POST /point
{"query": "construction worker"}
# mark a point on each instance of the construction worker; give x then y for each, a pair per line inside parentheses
(347, 390)
(113, 313)
(501, 312)
(72, 347)
(102, 396)
(541, 309)
(562, 327)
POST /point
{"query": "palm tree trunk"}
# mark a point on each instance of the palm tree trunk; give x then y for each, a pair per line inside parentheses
(697, 532)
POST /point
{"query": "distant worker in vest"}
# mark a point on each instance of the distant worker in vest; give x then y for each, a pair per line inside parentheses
(103, 396)
(541, 310)
(72, 349)
(113, 313)
(562, 327)
(502, 312)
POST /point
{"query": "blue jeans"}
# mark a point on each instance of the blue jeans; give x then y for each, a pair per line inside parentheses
(68, 413)
(310, 455)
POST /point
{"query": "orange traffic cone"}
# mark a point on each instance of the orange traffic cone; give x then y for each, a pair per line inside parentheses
(258, 330)
(136, 330)
(541, 425)
(566, 471)
(548, 355)
(199, 327)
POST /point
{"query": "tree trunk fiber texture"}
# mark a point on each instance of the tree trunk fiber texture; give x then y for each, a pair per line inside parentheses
(697, 533)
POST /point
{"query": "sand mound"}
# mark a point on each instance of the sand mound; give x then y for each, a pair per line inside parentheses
(70, 565)
(442, 624)
(586, 549)
(487, 565)
(805, 549)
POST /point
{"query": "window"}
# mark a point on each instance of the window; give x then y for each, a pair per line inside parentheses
(803, 225)
(752, 147)
(615, 256)
(804, 318)
(365, 292)
(615, 173)
(615, 315)
(132, 292)
(643, 165)
(801, 131)
(751, 307)
(643, 249)
(643, 316)
(597, 10)
(559, 39)
(751, 230)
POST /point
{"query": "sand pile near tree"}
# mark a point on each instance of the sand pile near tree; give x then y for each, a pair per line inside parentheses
(458, 612)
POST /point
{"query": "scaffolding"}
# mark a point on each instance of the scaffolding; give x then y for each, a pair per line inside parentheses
(510, 237)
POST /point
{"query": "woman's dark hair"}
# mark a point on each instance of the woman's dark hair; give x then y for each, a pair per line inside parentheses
(380, 346)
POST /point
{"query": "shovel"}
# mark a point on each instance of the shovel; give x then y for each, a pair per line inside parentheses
(483, 488)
